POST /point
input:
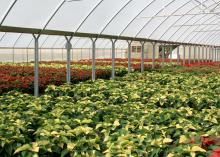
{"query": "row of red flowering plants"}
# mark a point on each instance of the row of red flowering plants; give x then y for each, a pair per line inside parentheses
(21, 78)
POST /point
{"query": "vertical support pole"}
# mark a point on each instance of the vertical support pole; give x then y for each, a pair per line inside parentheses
(129, 56)
(215, 54)
(218, 55)
(206, 54)
(178, 55)
(202, 53)
(184, 54)
(194, 56)
(142, 56)
(171, 55)
(68, 66)
(163, 55)
(154, 53)
(93, 59)
(36, 65)
(199, 54)
(189, 57)
(113, 58)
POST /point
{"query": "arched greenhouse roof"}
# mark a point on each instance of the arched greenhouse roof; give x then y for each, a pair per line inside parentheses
(174, 21)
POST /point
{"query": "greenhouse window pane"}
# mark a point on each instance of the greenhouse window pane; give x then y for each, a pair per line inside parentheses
(101, 16)
(72, 14)
(164, 27)
(149, 28)
(135, 27)
(120, 22)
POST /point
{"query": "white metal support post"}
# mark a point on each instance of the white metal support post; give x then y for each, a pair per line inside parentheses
(189, 57)
(142, 56)
(194, 56)
(129, 56)
(184, 54)
(171, 55)
(163, 54)
(199, 54)
(214, 54)
(68, 66)
(206, 54)
(211, 54)
(113, 57)
(178, 55)
(203, 58)
(208, 51)
(154, 53)
(217, 54)
(36, 65)
(93, 58)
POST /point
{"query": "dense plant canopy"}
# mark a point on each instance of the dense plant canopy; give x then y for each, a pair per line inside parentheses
(164, 113)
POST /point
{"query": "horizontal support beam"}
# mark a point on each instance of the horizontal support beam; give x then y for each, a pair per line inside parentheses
(47, 48)
(86, 35)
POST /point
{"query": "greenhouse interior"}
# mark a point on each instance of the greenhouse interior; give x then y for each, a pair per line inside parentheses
(109, 78)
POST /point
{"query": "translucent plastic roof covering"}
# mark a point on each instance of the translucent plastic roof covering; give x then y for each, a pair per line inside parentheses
(184, 21)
